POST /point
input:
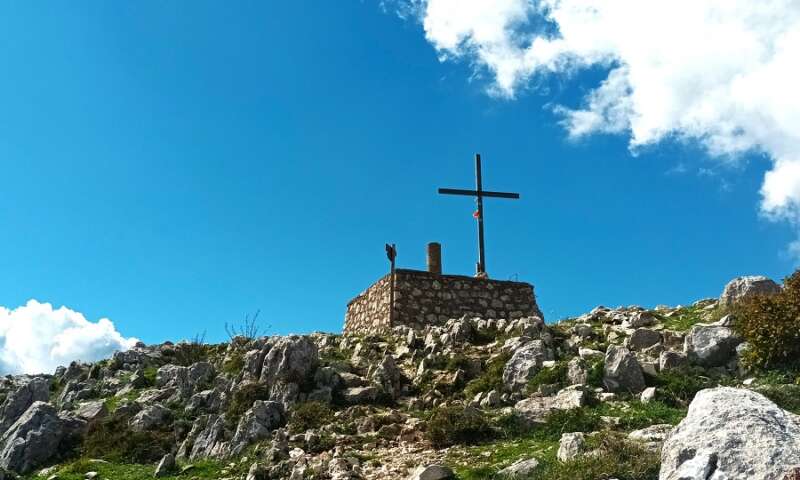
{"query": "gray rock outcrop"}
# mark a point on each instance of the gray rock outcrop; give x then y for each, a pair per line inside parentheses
(36, 437)
(745, 287)
(711, 345)
(526, 361)
(32, 390)
(732, 433)
(622, 371)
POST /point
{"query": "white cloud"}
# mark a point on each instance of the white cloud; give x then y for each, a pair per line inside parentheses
(724, 73)
(35, 338)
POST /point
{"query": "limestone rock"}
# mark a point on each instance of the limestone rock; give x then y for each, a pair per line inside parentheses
(166, 466)
(31, 390)
(153, 417)
(733, 432)
(520, 469)
(577, 373)
(432, 472)
(36, 437)
(710, 345)
(622, 371)
(257, 424)
(669, 360)
(571, 446)
(648, 395)
(744, 287)
(643, 338)
(526, 361)
(651, 437)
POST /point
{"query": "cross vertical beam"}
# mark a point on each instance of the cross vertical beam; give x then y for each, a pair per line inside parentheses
(481, 267)
(479, 193)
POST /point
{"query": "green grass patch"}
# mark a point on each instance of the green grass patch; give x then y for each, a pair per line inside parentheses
(205, 469)
(112, 403)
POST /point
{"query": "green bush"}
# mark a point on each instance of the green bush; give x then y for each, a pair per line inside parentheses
(455, 425)
(679, 386)
(548, 376)
(309, 416)
(490, 379)
(771, 326)
(594, 377)
(234, 364)
(111, 439)
(574, 420)
(244, 397)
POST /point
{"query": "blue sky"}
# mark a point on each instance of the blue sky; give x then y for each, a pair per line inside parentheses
(175, 166)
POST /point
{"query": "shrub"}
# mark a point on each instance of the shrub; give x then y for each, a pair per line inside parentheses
(594, 377)
(490, 379)
(234, 364)
(574, 420)
(309, 416)
(678, 387)
(771, 326)
(243, 398)
(546, 376)
(111, 439)
(191, 352)
(457, 426)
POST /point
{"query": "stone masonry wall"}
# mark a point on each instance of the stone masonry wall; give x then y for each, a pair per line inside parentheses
(423, 298)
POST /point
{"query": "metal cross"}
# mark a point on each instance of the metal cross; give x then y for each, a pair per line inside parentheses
(479, 193)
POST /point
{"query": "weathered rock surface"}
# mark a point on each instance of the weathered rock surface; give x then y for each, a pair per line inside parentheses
(36, 437)
(622, 371)
(31, 390)
(732, 433)
(526, 361)
(520, 469)
(744, 287)
(432, 472)
(711, 345)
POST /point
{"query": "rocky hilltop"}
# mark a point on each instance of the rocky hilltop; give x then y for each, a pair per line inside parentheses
(627, 393)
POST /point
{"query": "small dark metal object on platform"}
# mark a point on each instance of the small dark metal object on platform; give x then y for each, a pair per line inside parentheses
(479, 192)
(391, 254)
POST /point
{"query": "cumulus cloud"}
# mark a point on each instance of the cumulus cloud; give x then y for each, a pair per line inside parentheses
(35, 338)
(724, 73)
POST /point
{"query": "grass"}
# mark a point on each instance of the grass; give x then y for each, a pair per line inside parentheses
(112, 403)
(617, 459)
(684, 319)
(205, 469)
(687, 317)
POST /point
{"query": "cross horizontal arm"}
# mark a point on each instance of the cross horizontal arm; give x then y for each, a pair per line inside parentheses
(475, 193)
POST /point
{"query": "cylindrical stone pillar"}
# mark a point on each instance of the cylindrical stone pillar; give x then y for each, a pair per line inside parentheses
(435, 258)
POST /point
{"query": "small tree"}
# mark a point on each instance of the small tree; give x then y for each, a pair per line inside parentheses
(771, 326)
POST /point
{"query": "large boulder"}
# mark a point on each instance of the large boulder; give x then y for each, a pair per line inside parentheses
(289, 363)
(257, 424)
(711, 345)
(37, 436)
(732, 433)
(154, 417)
(526, 361)
(289, 360)
(36, 389)
(745, 287)
(622, 371)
